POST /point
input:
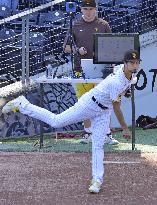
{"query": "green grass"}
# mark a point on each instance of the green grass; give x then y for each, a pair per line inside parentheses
(146, 141)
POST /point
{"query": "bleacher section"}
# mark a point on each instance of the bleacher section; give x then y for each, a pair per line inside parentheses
(51, 24)
(32, 34)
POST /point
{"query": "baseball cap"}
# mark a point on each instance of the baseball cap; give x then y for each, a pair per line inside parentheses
(88, 3)
(132, 55)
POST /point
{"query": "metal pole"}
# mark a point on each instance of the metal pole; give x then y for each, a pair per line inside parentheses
(133, 117)
(71, 43)
(41, 92)
(23, 50)
(27, 50)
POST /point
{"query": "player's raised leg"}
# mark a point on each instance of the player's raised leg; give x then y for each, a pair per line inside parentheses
(74, 114)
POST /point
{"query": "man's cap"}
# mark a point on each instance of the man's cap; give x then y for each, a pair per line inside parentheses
(88, 3)
(131, 55)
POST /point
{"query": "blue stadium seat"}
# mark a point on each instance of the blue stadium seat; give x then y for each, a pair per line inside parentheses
(7, 37)
(36, 40)
(16, 24)
(155, 4)
(7, 42)
(33, 3)
(45, 20)
(105, 3)
(11, 4)
(135, 22)
(41, 1)
(129, 3)
(37, 43)
(51, 19)
(5, 11)
(117, 24)
(33, 18)
(59, 18)
(132, 6)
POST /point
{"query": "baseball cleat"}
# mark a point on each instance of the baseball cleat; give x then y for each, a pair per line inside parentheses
(13, 105)
(95, 187)
(86, 139)
(110, 140)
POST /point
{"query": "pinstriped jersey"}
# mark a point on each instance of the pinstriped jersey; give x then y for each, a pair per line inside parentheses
(111, 88)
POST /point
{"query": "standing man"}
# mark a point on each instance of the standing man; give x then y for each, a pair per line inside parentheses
(96, 105)
(83, 31)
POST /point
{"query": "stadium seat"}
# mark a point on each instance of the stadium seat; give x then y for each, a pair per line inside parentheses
(5, 11)
(37, 44)
(155, 11)
(117, 24)
(135, 23)
(128, 3)
(7, 37)
(58, 17)
(37, 49)
(105, 3)
(51, 19)
(36, 40)
(7, 42)
(42, 1)
(34, 3)
(33, 18)
(45, 20)
(106, 13)
(11, 4)
(16, 24)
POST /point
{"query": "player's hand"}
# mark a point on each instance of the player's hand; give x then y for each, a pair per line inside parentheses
(67, 49)
(127, 134)
(82, 51)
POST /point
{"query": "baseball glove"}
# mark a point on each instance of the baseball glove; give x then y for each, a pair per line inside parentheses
(128, 93)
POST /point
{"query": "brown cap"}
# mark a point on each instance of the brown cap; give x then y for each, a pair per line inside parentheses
(88, 3)
(131, 55)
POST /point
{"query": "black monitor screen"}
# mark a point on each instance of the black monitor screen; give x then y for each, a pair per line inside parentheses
(110, 47)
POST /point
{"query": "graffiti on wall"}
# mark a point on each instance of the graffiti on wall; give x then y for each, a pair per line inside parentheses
(57, 98)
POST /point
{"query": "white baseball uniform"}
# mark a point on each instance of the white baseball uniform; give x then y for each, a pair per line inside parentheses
(86, 108)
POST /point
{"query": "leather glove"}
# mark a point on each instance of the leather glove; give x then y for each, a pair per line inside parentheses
(128, 93)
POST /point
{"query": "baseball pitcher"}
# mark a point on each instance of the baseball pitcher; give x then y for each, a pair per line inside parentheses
(96, 105)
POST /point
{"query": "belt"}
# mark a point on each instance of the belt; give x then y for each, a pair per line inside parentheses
(99, 104)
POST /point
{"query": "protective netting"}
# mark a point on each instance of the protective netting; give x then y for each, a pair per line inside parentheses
(48, 21)
(44, 25)
(32, 35)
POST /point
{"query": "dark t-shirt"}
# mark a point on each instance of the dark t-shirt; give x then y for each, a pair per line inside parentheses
(83, 35)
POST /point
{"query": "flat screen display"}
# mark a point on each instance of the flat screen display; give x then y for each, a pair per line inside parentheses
(110, 47)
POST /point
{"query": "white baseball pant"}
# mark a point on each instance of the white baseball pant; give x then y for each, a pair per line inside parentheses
(82, 110)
